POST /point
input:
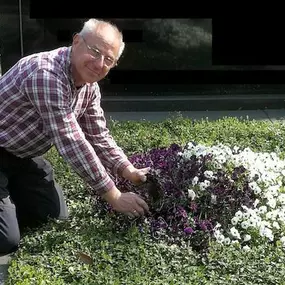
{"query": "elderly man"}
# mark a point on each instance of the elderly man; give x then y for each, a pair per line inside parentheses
(53, 98)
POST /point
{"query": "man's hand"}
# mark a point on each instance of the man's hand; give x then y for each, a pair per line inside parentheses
(128, 203)
(135, 175)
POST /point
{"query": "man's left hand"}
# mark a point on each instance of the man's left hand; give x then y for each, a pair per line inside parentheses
(135, 175)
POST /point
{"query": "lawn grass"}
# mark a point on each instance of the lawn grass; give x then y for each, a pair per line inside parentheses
(129, 256)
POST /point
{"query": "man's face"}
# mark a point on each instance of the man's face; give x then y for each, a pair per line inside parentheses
(95, 54)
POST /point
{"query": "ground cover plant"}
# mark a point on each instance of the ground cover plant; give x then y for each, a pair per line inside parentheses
(218, 217)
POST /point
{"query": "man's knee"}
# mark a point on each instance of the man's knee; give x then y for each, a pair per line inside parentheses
(9, 227)
(43, 167)
(9, 242)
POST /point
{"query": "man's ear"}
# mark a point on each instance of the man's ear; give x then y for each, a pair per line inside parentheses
(75, 38)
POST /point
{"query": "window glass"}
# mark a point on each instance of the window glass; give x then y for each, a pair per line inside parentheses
(155, 49)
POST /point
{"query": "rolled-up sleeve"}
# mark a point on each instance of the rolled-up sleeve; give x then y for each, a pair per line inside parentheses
(52, 98)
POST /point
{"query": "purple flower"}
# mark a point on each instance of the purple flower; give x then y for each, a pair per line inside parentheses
(177, 216)
(188, 231)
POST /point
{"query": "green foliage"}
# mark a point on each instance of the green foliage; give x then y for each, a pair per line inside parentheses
(50, 255)
(262, 265)
(136, 137)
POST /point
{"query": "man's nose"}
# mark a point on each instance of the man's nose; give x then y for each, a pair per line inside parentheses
(99, 61)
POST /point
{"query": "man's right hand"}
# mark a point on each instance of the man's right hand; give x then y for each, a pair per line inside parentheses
(128, 203)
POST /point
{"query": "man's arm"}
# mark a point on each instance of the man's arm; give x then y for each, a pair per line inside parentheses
(51, 97)
(93, 124)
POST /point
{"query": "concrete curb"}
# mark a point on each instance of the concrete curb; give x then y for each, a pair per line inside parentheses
(270, 114)
(4, 264)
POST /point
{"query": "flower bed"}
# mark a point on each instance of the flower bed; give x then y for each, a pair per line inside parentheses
(227, 194)
(123, 255)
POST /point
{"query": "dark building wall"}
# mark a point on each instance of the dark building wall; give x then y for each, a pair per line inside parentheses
(158, 60)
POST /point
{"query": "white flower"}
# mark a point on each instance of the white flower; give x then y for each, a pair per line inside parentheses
(272, 215)
(271, 203)
(235, 220)
(276, 225)
(252, 221)
(254, 186)
(227, 240)
(246, 215)
(281, 215)
(262, 209)
(191, 194)
(246, 247)
(256, 202)
(213, 199)
(246, 238)
(235, 148)
(238, 214)
(257, 190)
(281, 198)
(203, 185)
(235, 233)
(220, 238)
(266, 176)
(207, 183)
(273, 190)
(209, 174)
(245, 224)
(195, 180)
(266, 232)
(217, 233)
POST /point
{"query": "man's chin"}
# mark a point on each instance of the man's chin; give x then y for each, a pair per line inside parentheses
(92, 79)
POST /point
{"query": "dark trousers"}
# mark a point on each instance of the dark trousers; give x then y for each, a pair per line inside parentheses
(29, 196)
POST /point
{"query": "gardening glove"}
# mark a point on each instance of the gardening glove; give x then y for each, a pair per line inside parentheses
(135, 175)
(128, 203)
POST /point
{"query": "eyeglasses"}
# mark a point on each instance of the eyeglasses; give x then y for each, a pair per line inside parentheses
(108, 61)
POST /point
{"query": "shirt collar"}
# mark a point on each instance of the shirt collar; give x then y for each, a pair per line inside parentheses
(69, 67)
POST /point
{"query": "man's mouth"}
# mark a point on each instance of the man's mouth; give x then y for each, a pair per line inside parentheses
(93, 71)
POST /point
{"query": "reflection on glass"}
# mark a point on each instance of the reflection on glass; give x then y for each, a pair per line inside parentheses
(151, 44)
(169, 44)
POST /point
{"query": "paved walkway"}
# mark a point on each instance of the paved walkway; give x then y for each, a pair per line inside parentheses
(158, 116)
(3, 268)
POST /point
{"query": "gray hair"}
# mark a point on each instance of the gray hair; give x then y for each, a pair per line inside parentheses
(90, 25)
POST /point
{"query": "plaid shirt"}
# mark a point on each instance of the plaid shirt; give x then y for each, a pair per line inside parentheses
(40, 107)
